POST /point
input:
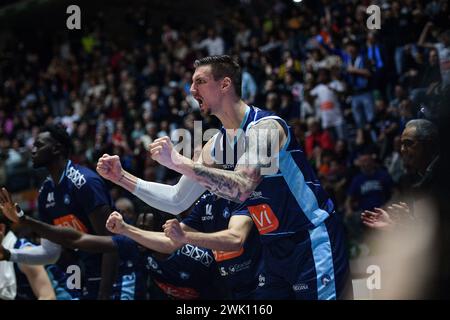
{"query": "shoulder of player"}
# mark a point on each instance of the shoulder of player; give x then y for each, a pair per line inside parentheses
(267, 123)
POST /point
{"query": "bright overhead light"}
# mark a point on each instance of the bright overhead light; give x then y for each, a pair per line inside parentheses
(297, 1)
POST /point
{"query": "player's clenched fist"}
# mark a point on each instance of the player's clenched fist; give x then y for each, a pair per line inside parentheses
(163, 152)
(109, 167)
(115, 223)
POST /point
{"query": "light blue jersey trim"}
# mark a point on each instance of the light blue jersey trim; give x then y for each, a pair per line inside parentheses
(277, 234)
(323, 261)
(65, 171)
(306, 199)
(295, 180)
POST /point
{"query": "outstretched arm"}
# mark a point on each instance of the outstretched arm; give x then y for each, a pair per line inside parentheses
(172, 199)
(69, 237)
(66, 237)
(265, 139)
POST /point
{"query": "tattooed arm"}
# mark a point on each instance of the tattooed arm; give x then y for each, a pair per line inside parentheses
(234, 185)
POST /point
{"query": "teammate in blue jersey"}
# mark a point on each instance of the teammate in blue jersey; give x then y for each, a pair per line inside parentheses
(187, 273)
(76, 197)
(217, 224)
(302, 236)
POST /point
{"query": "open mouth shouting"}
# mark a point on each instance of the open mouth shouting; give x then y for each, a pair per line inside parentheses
(200, 101)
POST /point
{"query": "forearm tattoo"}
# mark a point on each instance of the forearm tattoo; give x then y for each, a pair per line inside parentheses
(237, 185)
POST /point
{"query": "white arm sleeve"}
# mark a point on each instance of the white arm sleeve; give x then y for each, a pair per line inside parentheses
(47, 253)
(172, 199)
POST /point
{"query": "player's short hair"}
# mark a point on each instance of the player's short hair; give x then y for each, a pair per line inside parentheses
(221, 67)
(58, 132)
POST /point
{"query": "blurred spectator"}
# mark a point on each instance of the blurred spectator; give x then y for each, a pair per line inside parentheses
(317, 139)
(359, 77)
(249, 87)
(328, 104)
(213, 44)
(443, 49)
(370, 188)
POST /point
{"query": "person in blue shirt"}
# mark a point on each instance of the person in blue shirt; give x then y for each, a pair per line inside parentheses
(72, 196)
(371, 188)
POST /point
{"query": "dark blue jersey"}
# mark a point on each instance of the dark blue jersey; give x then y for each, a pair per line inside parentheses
(189, 273)
(68, 203)
(242, 268)
(288, 201)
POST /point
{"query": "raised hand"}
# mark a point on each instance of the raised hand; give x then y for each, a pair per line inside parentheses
(115, 223)
(399, 212)
(109, 167)
(378, 219)
(172, 229)
(7, 206)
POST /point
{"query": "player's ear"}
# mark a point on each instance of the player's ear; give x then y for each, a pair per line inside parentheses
(57, 149)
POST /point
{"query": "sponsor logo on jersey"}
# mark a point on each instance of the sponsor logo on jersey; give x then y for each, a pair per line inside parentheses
(264, 218)
(208, 213)
(257, 195)
(240, 266)
(76, 177)
(66, 199)
(227, 255)
(197, 254)
(325, 279)
(226, 213)
(300, 287)
(261, 280)
(184, 275)
(70, 221)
